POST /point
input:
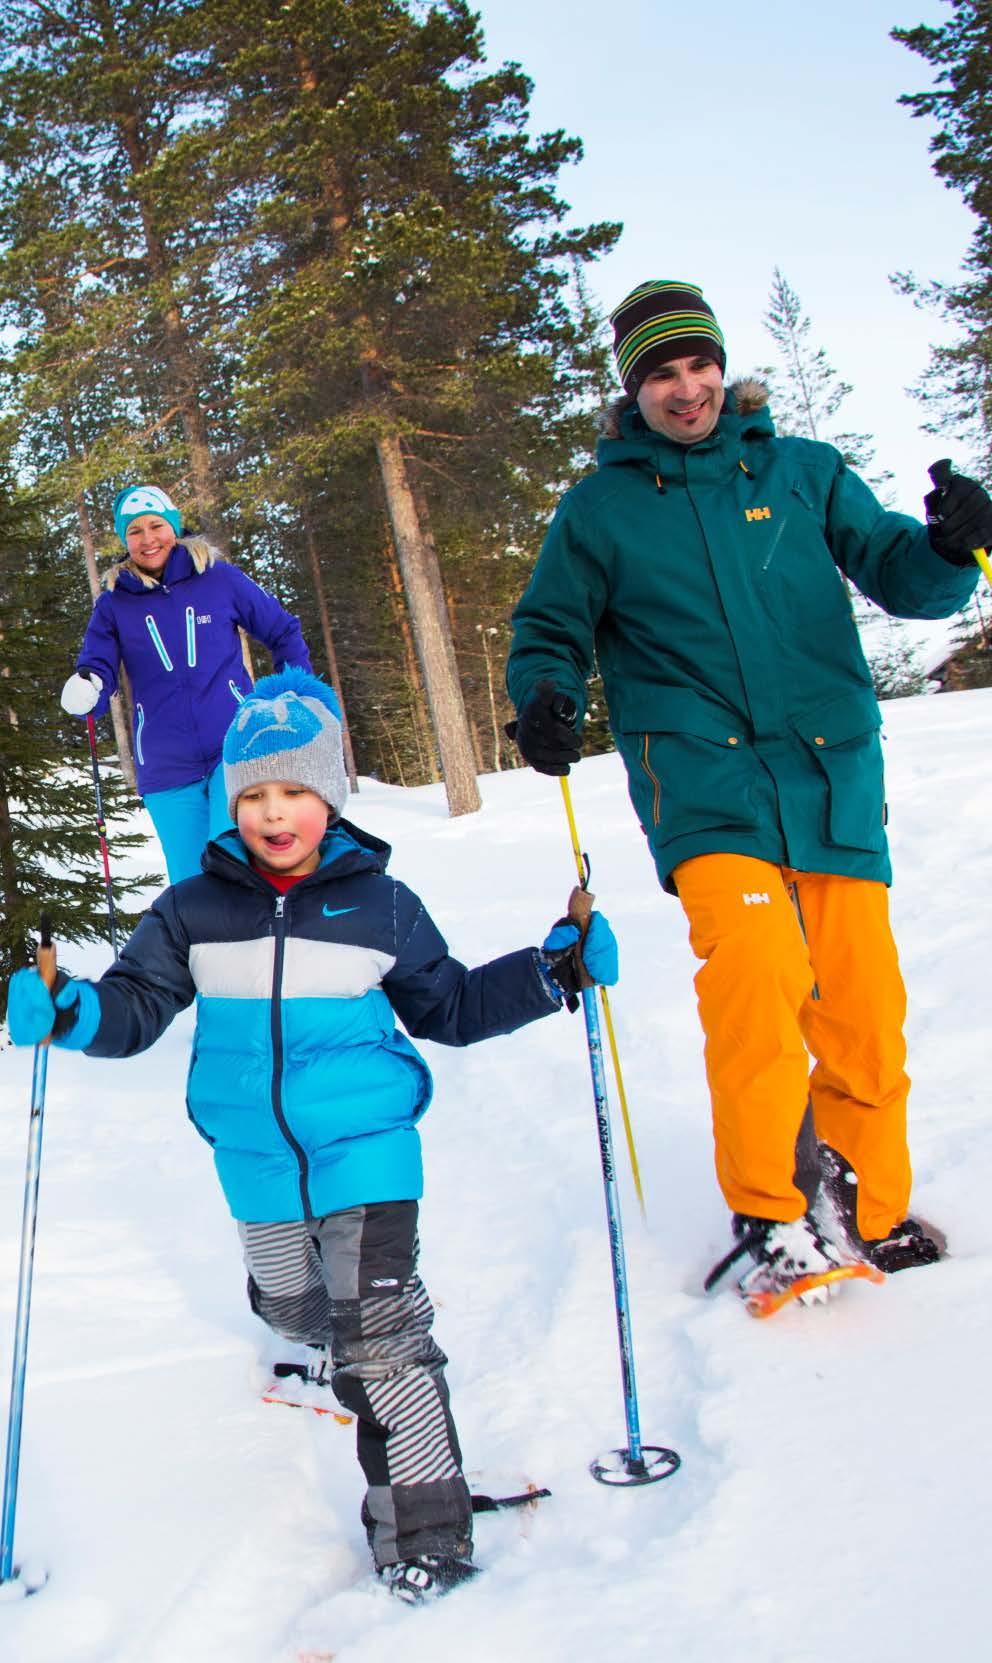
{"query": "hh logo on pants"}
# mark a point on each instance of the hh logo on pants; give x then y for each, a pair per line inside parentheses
(755, 899)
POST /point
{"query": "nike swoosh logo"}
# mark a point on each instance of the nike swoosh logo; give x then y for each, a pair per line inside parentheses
(335, 912)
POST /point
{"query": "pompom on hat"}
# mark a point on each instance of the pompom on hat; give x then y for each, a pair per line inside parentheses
(288, 728)
(136, 500)
(659, 321)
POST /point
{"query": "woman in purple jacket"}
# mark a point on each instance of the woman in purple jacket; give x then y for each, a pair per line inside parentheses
(170, 614)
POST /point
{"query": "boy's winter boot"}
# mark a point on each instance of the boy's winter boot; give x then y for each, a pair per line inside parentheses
(315, 1369)
(906, 1246)
(427, 1577)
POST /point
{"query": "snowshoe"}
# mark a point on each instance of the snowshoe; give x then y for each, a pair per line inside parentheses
(307, 1385)
(427, 1577)
(790, 1261)
(907, 1246)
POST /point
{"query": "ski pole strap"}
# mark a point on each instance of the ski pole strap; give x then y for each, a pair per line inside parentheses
(579, 913)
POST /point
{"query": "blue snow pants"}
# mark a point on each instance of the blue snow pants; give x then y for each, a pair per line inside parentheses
(186, 818)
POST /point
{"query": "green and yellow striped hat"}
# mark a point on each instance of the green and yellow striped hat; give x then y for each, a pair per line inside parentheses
(659, 321)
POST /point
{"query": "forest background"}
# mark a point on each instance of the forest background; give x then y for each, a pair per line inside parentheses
(309, 266)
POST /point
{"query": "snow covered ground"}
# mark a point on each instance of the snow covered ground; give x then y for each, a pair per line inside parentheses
(834, 1500)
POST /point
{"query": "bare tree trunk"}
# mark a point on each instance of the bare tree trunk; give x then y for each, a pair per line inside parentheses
(491, 692)
(423, 733)
(8, 863)
(120, 703)
(418, 563)
(329, 650)
(118, 718)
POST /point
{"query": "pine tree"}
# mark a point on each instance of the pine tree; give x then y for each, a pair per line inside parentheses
(49, 851)
(92, 92)
(301, 257)
(808, 393)
(410, 311)
(956, 389)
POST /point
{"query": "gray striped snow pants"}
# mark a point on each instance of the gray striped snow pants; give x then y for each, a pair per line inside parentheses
(349, 1281)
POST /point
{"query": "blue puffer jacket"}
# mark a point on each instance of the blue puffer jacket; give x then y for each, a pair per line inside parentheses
(299, 1078)
(178, 639)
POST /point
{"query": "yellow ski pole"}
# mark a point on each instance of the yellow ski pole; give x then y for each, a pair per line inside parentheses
(582, 869)
(940, 474)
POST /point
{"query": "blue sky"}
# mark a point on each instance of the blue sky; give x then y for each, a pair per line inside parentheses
(730, 139)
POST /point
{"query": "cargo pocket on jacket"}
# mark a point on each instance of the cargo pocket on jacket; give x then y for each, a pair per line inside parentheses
(689, 763)
(690, 784)
(846, 745)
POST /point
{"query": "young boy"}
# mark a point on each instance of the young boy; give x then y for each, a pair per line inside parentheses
(300, 950)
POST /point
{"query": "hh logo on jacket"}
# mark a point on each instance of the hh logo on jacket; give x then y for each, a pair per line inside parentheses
(757, 513)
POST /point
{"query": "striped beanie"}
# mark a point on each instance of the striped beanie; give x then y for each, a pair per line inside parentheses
(659, 321)
(136, 500)
(288, 728)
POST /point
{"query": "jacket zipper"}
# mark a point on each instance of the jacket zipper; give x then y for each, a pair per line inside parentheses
(655, 781)
(277, 1059)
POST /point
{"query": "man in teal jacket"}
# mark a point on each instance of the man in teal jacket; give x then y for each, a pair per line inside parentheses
(703, 568)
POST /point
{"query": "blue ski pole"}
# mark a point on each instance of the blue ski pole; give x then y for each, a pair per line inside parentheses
(638, 1463)
(8, 1572)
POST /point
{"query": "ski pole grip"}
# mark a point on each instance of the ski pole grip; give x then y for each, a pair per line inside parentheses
(45, 956)
(940, 473)
(579, 913)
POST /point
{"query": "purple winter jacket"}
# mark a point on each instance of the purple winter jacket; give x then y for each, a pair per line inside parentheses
(178, 640)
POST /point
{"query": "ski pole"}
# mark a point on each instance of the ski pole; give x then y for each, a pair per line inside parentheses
(8, 1573)
(582, 867)
(101, 827)
(638, 1463)
(940, 475)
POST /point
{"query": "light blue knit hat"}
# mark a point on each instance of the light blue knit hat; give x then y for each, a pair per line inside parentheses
(289, 728)
(144, 499)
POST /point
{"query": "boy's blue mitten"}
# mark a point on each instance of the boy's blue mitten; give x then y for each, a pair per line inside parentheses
(70, 1014)
(564, 961)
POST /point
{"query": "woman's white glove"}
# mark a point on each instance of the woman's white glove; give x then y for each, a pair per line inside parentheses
(81, 693)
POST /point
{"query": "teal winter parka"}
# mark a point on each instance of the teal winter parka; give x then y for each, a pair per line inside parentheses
(300, 1080)
(706, 580)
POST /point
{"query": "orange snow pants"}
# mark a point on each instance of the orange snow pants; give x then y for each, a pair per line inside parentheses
(799, 965)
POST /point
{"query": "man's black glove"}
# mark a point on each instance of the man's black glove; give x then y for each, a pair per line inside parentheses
(545, 730)
(959, 515)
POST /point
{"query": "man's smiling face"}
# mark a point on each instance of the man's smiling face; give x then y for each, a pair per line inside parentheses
(683, 399)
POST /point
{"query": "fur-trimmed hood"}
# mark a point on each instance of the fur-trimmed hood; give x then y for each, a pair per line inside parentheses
(744, 397)
(201, 553)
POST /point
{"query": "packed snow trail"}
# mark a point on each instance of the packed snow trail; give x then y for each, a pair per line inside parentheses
(834, 1498)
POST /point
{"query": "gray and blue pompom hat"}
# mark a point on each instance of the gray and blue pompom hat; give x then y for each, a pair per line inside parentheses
(288, 728)
(136, 500)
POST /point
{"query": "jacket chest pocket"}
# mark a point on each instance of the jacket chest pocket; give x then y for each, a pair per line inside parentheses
(796, 570)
